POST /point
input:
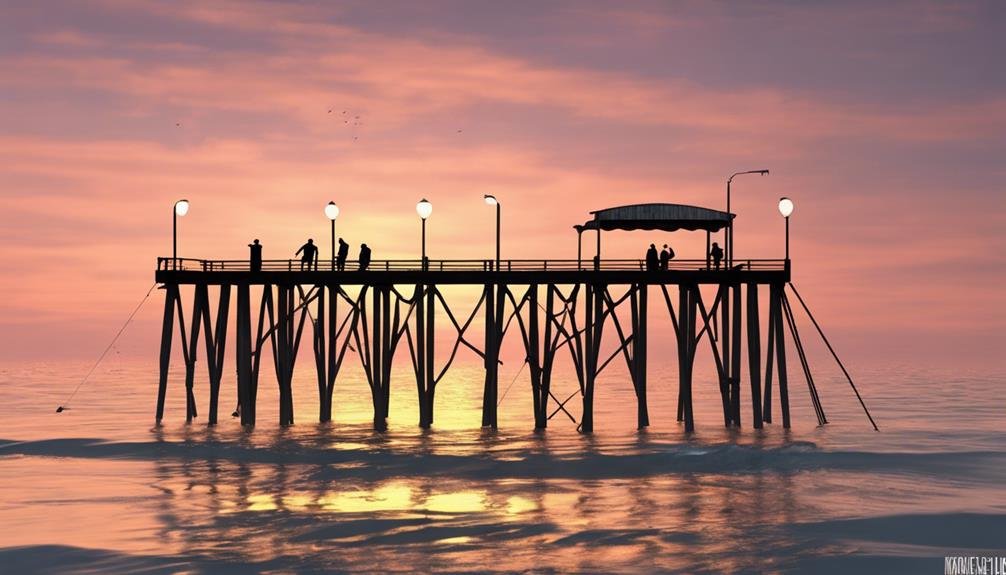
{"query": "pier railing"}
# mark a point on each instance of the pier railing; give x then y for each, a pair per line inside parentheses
(295, 265)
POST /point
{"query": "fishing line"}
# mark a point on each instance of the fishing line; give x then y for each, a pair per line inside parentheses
(66, 403)
(512, 381)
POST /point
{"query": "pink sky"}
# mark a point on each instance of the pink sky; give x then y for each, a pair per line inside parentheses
(885, 122)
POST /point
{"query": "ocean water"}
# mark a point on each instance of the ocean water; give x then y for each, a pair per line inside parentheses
(101, 489)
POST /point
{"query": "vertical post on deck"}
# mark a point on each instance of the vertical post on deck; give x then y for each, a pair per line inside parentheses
(167, 330)
(735, 358)
(780, 348)
(243, 355)
(708, 247)
(754, 354)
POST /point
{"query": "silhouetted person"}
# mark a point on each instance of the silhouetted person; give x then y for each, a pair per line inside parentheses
(652, 259)
(310, 256)
(665, 257)
(717, 254)
(364, 257)
(255, 256)
(340, 260)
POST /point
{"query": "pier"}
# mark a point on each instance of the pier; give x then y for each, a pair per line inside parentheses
(561, 309)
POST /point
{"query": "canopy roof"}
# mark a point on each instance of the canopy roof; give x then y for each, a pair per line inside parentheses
(665, 217)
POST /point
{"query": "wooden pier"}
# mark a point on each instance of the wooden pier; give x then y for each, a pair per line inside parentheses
(560, 308)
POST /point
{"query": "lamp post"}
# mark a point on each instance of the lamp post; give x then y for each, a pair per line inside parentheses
(730, 222)
(181, 208)
(424, 208)
(786, 209)
(492, 201)
(332, 211)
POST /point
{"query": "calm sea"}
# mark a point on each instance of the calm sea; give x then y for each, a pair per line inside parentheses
(100, 489)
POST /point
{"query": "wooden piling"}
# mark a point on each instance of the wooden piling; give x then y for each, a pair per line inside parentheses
(321, 357)
(754, 354)
(638, 305)
(723, 297)
(216, 343)
(243, 354)
(686, 351)
(735, 358)
(190, 350)
(780, 348)
(167, 329)
(490, 391)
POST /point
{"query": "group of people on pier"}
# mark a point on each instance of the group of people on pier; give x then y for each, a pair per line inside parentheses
(662, 261)
(309, 256)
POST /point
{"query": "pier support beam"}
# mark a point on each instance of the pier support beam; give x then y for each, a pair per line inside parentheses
(321, 356)
(167, 329)
(637, 371)
(494, 302)
(735, 358)
(534, 356)
(425, 299)
(594, 330)
(216, 342)
(754, 354)
(687, 309)
(243, 355)
(190, 349)
(776, 322)
(544, 389)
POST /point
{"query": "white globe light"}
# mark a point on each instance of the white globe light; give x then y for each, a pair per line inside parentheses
(424, 208)
(491, 200)
(182, 207)
(332, 210)
(785, 207)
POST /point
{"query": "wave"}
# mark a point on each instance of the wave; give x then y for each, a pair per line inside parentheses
(530, 462)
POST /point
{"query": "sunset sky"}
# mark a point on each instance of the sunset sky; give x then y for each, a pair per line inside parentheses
(884, 121)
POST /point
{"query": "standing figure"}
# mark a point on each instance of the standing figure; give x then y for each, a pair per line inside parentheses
(255, 256)
(310, 256)
(652, 259)
(340, 260)
(364, 257)
(665, 257)
(717, 254)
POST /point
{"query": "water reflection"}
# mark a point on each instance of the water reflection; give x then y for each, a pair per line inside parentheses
(319, 516)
